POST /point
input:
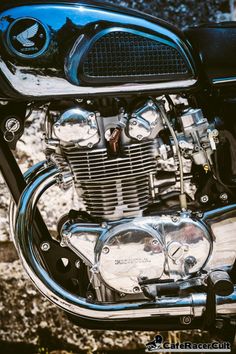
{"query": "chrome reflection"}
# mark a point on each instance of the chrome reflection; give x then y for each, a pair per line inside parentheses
(193, 305)
(130, 252)
(125, 251)
(223, 229)
(35, 85)
(77, 126)
(28, 175)
(145, 122)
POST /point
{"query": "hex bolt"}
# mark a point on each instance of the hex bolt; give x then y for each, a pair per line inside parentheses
(106, 250)
(204, 199)
(186, 320)
(45, 246)
(223, 197)
(77, 264)
(134, 122)
(136, 289)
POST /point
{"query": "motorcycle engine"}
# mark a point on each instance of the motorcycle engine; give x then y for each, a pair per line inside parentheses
(119, 165)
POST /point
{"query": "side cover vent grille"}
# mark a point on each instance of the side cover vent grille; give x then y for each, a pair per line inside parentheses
(120, 56)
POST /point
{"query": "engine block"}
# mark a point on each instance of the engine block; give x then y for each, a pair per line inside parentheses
(114, 159)
(113, 187)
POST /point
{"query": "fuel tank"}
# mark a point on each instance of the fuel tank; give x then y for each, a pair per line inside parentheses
(215, 44)
(74, 48)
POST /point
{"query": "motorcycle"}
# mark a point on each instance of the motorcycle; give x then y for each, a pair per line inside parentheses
(138, 118)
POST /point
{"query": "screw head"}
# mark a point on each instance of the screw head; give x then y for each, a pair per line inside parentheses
(106, 249)
(136, 289)
(223, 197)
(12, 125)
(90, 296)
(139, 137)
(45, 246)
(186, 320)
(175, 250)
(204, 198)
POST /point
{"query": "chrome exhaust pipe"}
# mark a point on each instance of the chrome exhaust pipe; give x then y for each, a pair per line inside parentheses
(28, 175)
(193, 305)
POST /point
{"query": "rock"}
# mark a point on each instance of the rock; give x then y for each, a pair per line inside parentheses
(7, 251)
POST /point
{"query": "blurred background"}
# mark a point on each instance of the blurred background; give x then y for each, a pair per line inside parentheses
(28, 322)
(184, 13)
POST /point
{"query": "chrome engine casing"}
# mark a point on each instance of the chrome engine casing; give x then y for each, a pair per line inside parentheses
(191, 305)
(115, 186)
(120, 254)
(110, 187)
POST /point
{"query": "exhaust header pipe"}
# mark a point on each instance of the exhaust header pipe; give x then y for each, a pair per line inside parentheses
(193, 305)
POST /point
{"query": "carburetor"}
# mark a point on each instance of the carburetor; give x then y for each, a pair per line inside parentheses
(198, 138)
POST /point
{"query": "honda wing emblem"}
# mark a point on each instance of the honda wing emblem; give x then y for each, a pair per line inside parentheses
(24, 37)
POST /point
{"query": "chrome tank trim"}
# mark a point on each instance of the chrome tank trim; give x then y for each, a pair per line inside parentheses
(223, 80)
(32, 85)
(193, 305)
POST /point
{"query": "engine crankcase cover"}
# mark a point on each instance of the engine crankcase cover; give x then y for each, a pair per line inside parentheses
(131, 252)
(161, 247)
